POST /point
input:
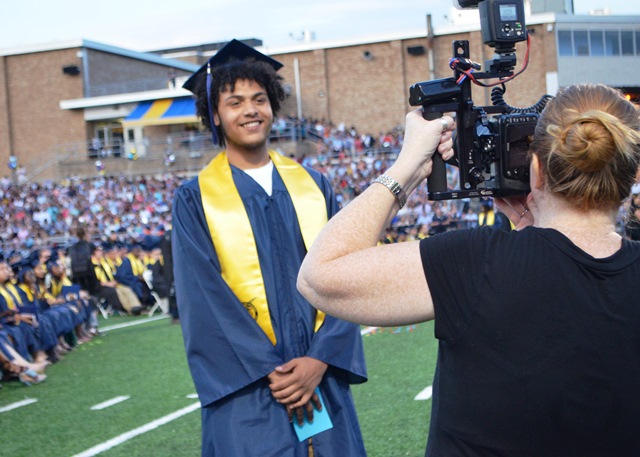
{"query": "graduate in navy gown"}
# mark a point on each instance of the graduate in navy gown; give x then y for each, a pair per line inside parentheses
(129, 273)
(21, 328)
(257, 351)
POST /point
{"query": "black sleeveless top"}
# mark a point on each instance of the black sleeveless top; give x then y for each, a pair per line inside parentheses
(539, 351)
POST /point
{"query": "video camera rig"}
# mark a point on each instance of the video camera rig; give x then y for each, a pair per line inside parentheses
(491, 152)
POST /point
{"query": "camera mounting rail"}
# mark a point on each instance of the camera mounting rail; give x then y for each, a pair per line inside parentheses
(446, 96)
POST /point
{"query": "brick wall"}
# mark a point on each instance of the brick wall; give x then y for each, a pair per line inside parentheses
(341, 85)
(36, 84)
(338, 84)
(5, 121)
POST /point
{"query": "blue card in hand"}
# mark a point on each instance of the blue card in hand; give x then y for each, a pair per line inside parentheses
(321, 422)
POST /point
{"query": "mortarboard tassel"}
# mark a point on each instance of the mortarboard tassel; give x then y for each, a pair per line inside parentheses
(214, 134)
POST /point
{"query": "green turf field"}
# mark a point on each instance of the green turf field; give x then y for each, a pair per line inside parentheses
(147, 364)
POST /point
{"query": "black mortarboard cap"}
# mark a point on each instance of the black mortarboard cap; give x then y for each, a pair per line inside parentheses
(150, 242)
(52, 262)
(107, 247)
(234, 50)
(16, 267)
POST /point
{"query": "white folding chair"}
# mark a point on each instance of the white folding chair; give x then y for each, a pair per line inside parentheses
(106, 311)
(161, 303)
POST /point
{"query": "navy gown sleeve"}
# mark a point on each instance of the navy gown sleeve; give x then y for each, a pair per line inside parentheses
(226, 349)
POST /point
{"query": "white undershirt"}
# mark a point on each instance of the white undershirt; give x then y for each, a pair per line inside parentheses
(263, 176)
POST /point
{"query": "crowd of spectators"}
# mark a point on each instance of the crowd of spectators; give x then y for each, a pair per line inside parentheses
(39, 214)
(35, 215)
(122, 211)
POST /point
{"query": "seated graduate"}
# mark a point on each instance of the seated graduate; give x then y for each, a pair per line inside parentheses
(14, 366)
(129, 272)
(109, 263)
(107, 284)
(62, 288)
(64, 317)
(20, 326)
(157, 267)
(51, 321)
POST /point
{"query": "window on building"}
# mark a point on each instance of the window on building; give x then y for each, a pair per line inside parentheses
(612, 43)
(626, 43)
(565, 47)
(580, 43)
(597, 43)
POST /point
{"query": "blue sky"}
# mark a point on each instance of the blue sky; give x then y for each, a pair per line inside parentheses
(154, 24)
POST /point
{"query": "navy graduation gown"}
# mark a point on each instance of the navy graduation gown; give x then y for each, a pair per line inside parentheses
(124, 275)
(22, 334)
(47, 331)
(230, 355)
(4, 342)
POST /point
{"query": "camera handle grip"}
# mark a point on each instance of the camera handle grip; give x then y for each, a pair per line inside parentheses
(437, 181)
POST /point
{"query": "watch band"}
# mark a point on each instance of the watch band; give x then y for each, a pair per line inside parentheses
(395, 188)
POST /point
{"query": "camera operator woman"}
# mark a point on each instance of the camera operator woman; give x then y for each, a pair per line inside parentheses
(539, 347)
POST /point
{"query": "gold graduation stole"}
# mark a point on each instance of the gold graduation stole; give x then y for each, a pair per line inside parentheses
(232, 233)
(108, 269)
(56, 286)
(136, 265)
(43, 293)
(11, 304)
(488, 219)
(97, 269)
(14, 293)
(27, 290)
(111, 267)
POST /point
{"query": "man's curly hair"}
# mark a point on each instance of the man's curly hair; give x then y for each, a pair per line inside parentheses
(225, 76)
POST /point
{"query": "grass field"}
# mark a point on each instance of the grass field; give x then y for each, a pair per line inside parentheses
(160, 417)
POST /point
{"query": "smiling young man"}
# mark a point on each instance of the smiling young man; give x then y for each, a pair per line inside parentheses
(260, 356)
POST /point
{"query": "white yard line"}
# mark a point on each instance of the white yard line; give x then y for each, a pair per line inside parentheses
(367, 330)
(158, 422)
(19, 404)
(131, 324)
(113, 401)
(425, 394)
(137, 431)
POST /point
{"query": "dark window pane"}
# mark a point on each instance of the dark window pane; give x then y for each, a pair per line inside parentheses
(564, 43)
(626, 42)
(638, 43)
(597, 43)
(580, 43)
(612, 43)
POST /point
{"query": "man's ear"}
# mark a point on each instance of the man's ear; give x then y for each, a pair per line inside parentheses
(216, 119)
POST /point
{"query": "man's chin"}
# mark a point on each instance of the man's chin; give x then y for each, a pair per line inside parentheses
(250, 146)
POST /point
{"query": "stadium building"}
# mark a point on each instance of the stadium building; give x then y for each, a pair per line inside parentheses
(65, 106)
